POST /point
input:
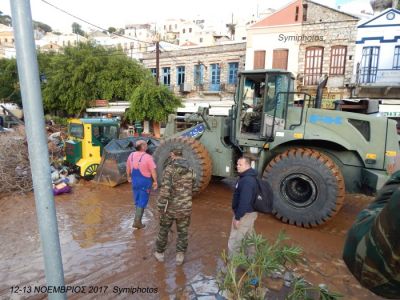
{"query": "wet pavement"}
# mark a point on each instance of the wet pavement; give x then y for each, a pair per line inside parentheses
(101, 250)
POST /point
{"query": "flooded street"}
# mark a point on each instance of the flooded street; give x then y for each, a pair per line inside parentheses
(100, 247)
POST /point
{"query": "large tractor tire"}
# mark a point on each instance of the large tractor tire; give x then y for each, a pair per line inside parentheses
(308, 187)
(193, 151)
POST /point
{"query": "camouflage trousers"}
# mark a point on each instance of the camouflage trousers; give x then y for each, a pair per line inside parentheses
(182, 228)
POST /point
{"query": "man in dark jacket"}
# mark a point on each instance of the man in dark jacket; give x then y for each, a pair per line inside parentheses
(244, 214)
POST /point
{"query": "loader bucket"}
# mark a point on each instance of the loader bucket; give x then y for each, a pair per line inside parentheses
(112, 168)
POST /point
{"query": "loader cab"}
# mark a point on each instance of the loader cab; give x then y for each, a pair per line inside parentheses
(262, 102)
(87, 138)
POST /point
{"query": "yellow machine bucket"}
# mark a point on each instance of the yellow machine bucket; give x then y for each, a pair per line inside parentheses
(112, 168)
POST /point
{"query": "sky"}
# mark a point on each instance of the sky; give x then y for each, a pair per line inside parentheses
(117, 13)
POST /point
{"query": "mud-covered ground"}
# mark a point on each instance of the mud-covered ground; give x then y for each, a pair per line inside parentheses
(101, 249)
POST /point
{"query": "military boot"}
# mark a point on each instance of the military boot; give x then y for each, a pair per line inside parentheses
(138, 218)
(180, 256)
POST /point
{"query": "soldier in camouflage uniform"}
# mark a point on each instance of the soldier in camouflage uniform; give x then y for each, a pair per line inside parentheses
(175, 204)
(372, 248)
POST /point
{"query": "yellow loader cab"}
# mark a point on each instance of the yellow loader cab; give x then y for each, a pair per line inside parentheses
(87, 138)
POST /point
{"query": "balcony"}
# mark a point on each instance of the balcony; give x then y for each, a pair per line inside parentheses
(378, 78)
(378, 83)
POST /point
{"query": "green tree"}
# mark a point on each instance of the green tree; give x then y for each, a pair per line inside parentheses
(5, 19)
(152, 102)
(77, 29)
(112, 29)
(87, 72)
(9, 87)
(42, 26)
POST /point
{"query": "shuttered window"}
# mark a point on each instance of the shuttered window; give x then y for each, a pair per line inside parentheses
(313, 65)
(280, 59)
(338, 60)
(259, 59)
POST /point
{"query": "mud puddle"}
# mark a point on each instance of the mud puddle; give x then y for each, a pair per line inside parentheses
(101, 249)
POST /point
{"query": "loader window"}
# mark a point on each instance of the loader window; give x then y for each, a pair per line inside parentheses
(252, 99)
(76, 130)
(104, 134)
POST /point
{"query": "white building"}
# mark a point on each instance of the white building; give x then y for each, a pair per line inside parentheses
(377, 58)
(61, 40)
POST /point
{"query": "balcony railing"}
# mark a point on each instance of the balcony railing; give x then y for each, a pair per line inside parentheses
(378, 77)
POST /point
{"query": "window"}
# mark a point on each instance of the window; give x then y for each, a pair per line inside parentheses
(215, 77)
(166, 75)
(232, 72)
(176, 26)
(396, 58)
(338, 60)
(296, 17)
(180, 75)
(183, 30)
(201, 40)
(313, 65)
(259, 59)
(169, 27)
(305, 7)
(280, 59)
(190, 29)
(369, 64)
(198, 74)
(76, 130)
(154, 72)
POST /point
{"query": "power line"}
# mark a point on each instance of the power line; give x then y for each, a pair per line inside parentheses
(91, 24)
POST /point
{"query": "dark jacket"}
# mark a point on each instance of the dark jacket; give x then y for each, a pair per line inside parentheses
(244, 194)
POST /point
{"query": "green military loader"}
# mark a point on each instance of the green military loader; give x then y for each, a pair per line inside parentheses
(310, 156)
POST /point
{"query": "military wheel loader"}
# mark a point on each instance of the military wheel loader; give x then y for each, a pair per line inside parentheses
(310, 156)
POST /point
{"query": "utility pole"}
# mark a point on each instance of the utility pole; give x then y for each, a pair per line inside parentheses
(157, 61)
(28, 72)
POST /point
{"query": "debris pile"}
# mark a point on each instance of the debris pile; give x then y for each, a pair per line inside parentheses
(15, 171)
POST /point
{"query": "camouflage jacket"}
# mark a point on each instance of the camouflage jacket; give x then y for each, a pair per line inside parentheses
(177, 186)
(372, 248)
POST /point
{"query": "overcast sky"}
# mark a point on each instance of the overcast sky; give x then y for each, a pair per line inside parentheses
(117, 13)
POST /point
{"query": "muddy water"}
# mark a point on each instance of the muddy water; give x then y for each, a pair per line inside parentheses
(100, 248)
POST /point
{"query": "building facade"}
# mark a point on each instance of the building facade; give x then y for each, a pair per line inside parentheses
(198, 71)
(310, 40)
(376, 72)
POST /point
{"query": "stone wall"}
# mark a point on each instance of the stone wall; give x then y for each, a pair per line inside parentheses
(221, 54)
(332, 28)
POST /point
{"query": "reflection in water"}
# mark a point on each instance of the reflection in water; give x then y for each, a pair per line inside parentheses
(90, 212)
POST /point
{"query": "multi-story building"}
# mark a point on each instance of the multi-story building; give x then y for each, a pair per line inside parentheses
(199, 71)
(7, 45)
(309, 39)
(188, 32)
(377, 56)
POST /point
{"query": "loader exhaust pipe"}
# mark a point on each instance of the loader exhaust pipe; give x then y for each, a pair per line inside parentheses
(318, 96)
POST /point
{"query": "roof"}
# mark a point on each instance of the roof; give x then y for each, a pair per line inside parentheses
(99, 121)
(334, 9)
(266, 71)
(385, 12)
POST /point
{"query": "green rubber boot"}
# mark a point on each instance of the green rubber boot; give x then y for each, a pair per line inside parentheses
(138, 218)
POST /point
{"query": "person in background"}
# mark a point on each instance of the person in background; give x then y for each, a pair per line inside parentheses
(175, 204)
(244, 215)
(372, 247)
(141, 172)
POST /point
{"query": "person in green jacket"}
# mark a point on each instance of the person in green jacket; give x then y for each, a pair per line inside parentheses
(372, 247)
